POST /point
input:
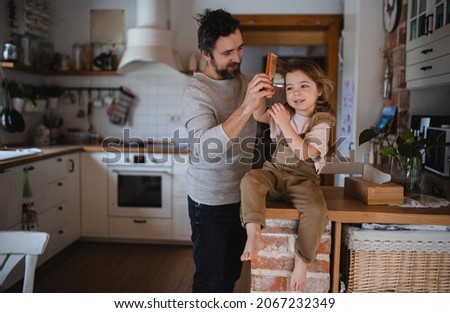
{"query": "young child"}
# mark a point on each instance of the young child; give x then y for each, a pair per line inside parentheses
(302, 132)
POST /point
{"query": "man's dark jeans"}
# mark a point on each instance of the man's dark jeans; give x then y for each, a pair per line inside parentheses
(218, 242)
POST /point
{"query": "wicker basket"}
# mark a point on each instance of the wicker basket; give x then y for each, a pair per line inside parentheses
(396, 261)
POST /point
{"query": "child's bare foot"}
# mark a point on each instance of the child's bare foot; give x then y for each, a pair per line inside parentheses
(254, 242)
(298, 276)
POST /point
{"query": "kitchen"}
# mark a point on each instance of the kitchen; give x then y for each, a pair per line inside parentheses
(156, 113)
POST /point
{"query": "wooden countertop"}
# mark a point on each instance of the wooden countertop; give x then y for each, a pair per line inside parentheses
(153, 148)
(47, 152)
(346, 209)
(52, 151)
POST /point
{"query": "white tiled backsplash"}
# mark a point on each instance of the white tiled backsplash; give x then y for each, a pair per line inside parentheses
(155, 113)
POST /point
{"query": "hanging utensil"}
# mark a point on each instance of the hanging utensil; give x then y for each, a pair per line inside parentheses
(89, 112)
(12, 120)
(109, 98)
(4, 109)
(15, 118)
(98, 101)
(5, 116)
(81, 113)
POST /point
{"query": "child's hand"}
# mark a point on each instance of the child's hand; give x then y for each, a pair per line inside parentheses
(280, 114)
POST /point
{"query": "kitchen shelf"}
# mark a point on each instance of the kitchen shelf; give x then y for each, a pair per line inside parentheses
(42, 71)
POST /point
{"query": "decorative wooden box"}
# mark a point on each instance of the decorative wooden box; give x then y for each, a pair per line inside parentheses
(373, 194)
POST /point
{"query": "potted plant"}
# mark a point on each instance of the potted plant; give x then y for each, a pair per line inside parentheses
(53, 93)
(20, 94)
(39, 97)
(406, 153)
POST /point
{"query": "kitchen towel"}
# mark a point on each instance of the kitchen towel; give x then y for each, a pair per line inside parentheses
(29, 214)
(119, 108)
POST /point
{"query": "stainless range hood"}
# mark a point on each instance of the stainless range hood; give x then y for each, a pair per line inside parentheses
(149, 44)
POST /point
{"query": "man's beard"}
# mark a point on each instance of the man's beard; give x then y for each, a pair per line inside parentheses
(224, 73)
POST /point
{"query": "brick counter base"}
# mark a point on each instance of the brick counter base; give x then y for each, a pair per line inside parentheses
(271, 271)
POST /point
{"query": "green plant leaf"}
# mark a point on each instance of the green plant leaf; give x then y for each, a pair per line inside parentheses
(409, 137)
(385, 151)
(30, 102)
(407, 145)
(367, 135)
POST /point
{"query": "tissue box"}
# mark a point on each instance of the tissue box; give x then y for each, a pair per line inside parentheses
(373, 194)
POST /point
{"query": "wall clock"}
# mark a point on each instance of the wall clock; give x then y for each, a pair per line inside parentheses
(391, 13)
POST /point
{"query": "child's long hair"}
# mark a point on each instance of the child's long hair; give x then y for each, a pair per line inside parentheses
(316, 74)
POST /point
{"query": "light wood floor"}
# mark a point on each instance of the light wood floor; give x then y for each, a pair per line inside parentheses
(88, 267)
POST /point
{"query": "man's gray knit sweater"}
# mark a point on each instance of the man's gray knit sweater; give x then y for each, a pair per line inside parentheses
(216, 163)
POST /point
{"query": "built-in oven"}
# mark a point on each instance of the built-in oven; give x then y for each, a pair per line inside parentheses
(140, 185)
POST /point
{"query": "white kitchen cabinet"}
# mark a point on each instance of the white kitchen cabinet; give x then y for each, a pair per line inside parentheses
(428, 43)
(10, 195)
(36, 174)
(61, 214)
(94, 195)
(427, 21)
(55, 185)
(13, 180)
(181, 227)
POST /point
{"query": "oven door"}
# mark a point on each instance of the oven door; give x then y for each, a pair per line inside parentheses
(140, 191)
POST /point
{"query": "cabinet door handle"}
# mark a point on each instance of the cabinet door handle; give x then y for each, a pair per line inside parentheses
(60, 184)
(72, 166)
(426, 68)
(140, 221)
(28, 168)
(426, 51)
(60, 208)
(429, 24)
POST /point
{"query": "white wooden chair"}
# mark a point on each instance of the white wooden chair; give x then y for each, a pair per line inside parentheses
(16, 245)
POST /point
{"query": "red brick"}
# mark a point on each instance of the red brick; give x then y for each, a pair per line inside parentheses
(390, 40)
(327, 229)
(285, 263)
(317, 284)
(324, 245)
(402, 34)
(269, 283)
(275, 226)
(278, 244)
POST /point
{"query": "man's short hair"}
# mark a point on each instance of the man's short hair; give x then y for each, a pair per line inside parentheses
(212, 25)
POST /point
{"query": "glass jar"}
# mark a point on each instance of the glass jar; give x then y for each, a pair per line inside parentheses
(76, 57)
(88, 55)
(407, 172)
